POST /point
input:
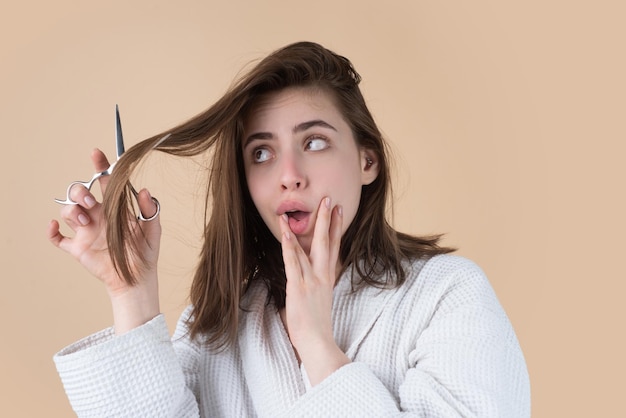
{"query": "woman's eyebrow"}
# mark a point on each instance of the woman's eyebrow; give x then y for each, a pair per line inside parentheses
(258, 135)
(317, 122)
(301, 127)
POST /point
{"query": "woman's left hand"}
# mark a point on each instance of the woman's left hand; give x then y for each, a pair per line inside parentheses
(310, 282)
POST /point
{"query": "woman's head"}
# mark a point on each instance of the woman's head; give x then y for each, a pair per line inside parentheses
(322, 77)
(239, 247)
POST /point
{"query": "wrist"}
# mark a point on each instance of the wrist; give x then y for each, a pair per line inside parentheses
(324, 359)
(134, 306)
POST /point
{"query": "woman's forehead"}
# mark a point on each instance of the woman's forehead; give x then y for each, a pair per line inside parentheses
(304, 101)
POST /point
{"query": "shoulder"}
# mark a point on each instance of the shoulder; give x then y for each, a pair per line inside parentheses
(451, 295)
(443, 266)
(448, 280)
(445, 269)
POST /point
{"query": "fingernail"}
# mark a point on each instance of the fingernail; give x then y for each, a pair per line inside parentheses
(340, 210)
(90, 201)
(83, 219)
(327, 202)
(287, 235)
(285, 217)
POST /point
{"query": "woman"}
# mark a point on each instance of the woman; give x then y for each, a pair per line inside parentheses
(306, 302)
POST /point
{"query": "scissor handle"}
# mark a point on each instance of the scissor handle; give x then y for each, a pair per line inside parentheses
(87, 184)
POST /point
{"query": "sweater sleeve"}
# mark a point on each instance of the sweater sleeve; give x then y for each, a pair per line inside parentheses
(465, 363)
(131, 375)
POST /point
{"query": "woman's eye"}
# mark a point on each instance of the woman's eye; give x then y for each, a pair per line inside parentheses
(261, 155)
(316, 144)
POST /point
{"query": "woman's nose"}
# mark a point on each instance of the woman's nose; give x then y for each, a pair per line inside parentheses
(292, 174)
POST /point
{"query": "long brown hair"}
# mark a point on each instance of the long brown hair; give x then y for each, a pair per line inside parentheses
(238, 247)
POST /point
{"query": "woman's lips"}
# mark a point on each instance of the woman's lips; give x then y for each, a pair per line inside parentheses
(298, 215)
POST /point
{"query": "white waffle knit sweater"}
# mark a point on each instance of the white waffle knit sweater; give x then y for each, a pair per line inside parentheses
(438, 346)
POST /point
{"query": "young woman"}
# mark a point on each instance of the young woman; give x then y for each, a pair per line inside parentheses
(305, 302)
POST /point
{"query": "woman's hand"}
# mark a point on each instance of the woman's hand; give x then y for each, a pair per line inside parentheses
(310, 282)
(132, 305)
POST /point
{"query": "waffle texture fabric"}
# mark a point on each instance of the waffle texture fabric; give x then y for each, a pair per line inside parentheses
(438, 346)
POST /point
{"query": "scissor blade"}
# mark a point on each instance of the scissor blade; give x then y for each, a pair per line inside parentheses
(119, 138)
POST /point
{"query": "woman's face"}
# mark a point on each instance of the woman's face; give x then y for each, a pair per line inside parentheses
(297, 150)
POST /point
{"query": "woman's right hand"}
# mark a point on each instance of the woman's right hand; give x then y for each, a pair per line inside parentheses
(132, 304)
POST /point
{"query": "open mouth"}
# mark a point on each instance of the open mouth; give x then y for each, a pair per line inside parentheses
(298, 215)
(298, 220)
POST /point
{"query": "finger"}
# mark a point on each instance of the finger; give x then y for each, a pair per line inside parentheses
(56, 238)
(289, 242)
(75, 216)
(100, 163)
(82, 196)
(150, 228)
(335, 239)
(147, 205)
(320, 244)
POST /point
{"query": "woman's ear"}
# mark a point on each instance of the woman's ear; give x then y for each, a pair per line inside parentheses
(369, 166)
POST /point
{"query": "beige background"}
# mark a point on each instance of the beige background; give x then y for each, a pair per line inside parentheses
(507, 120)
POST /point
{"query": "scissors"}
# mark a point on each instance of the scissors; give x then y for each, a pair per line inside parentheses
(119, 145)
